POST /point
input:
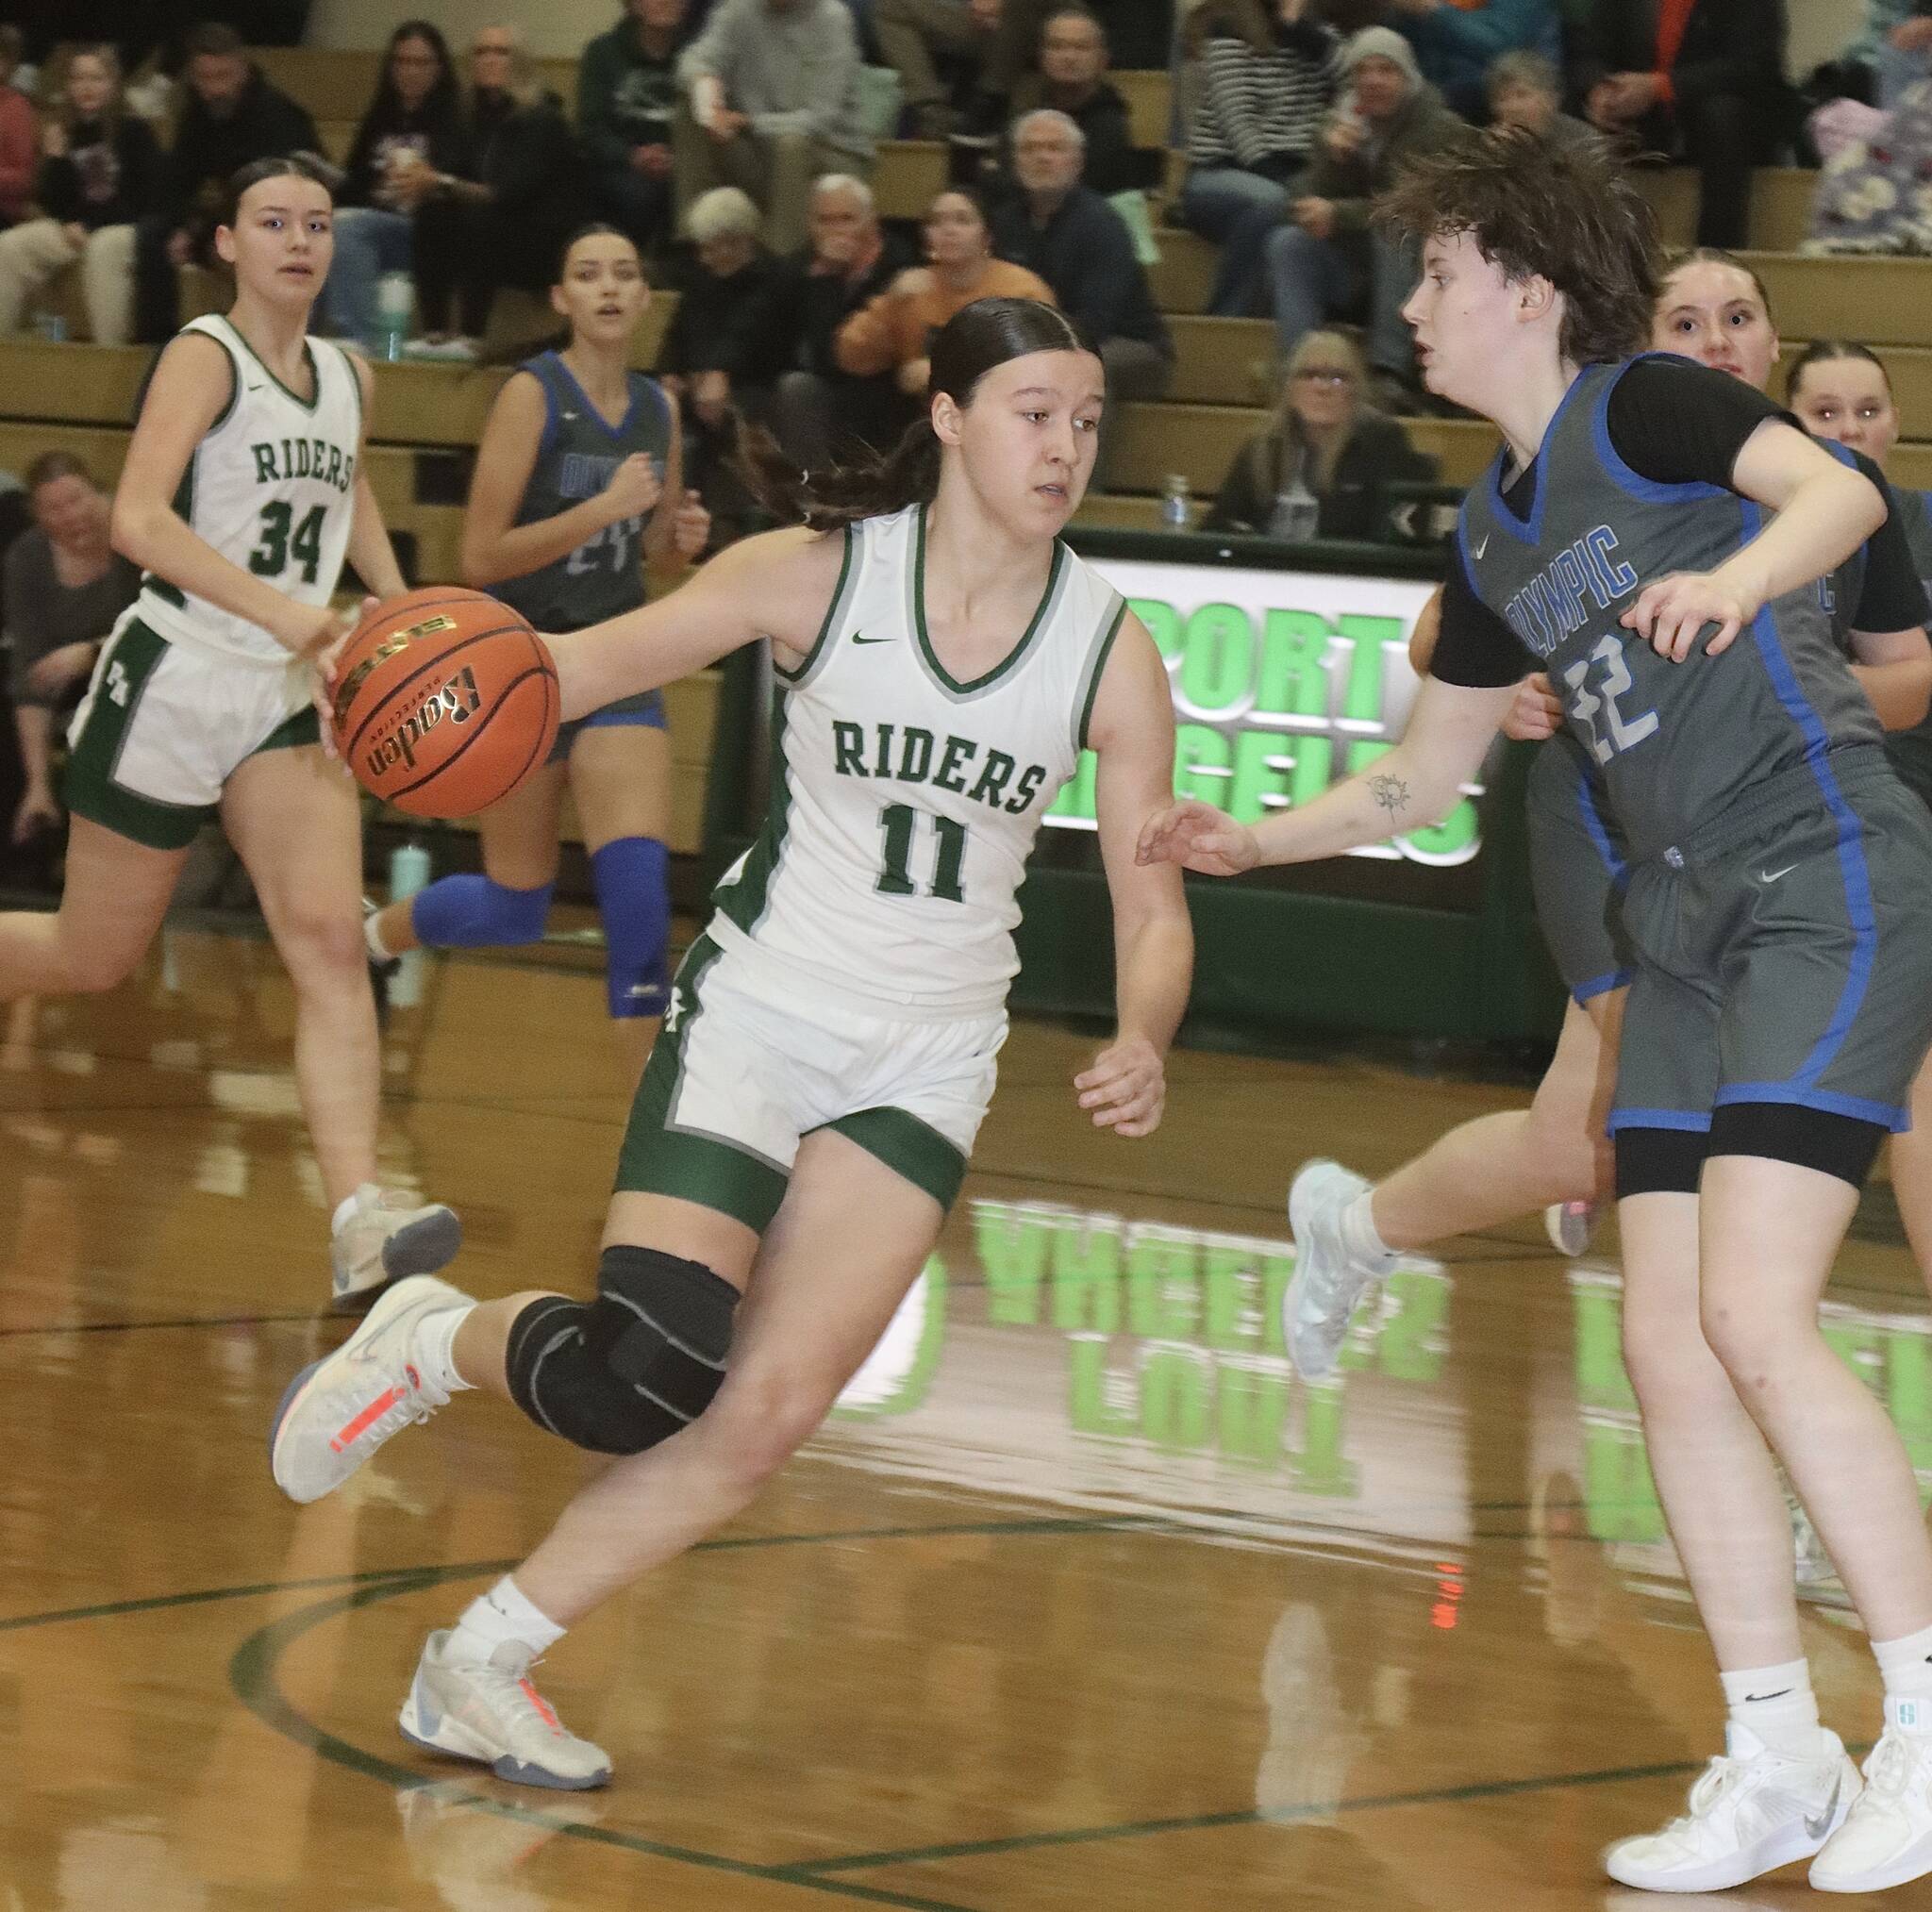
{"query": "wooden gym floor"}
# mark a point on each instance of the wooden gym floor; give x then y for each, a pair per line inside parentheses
(1082, 1602)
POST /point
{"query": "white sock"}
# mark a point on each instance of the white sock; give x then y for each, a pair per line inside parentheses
(1359, 1234)
(348, 1205)
(434, 1347)
(1907, 1664)
(1778, 1705)
(502, 1617)
(373, 937)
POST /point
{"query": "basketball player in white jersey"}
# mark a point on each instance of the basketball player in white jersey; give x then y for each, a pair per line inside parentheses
(830, 1045)
(242, 495)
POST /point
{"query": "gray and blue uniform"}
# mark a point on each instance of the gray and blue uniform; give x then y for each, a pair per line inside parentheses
(1777, 897)
(1912, 750)
(604, 577)
(1577, 864)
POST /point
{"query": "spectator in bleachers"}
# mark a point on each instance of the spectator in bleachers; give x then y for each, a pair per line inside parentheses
(1456, 42)
(773, 102)
(1073, 240)
(508, 224)
(96, 181)
(1263, 82)
(411, 137)
(1328, 447)
(816, 403)
(1073, 80)
(1893, 49)
(627, 95)
(1698, 79)
(1328, 261)
(65, 587)
(231, 117)
(20, 142)
(958, 61)
(1525, 90)
(892, 332)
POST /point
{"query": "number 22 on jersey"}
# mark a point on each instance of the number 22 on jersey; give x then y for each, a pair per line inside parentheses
(1610, 730)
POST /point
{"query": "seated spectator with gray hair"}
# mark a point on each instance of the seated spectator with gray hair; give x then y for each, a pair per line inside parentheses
(1073, 80)
(1525, 90)
(819, 407)
(1456, 40)
(775, 101)
(65, 587)
(1067, 234)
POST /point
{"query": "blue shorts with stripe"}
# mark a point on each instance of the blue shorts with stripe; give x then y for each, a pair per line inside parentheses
(646, 707)
(1577, 869)
(1784, 954)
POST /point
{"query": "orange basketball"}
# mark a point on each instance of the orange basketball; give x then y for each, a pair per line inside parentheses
(445, 700)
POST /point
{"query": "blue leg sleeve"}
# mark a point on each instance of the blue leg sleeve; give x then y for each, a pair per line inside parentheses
(471, 912)
(632, 878)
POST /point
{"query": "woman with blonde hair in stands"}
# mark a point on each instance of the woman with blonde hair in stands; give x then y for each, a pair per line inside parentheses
(98, 172)
(891, 332)
(1319, 469)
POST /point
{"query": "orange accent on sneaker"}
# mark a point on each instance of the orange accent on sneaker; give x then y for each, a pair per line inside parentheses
(367, 1419)
(542, 1704)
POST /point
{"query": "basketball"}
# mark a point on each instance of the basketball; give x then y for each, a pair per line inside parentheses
(445, 700)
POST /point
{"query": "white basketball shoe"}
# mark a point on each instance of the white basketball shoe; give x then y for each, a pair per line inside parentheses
(1887, 1840)
(491, 1712)
(1329, 1281)
(387, 1237)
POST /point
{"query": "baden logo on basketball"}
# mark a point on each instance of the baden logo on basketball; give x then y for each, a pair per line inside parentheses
(458, 700)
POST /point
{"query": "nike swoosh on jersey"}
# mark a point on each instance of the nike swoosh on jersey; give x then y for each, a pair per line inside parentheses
(1773, 876)
(858, 639)
(1477, 551)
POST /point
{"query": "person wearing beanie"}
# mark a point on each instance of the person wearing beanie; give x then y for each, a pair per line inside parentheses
(1326, 262)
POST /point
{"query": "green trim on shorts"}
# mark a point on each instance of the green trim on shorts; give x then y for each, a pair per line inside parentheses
(292, 733)
(92, 791)
(909, 1147)
(656, 1159)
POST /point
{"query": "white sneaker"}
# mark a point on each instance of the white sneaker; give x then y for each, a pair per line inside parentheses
(339, 1409)
(386, 1237)
(1751, 1812)
(491, 1711)
(1569, 1225)
(1328, 1282)
(1886, 1840)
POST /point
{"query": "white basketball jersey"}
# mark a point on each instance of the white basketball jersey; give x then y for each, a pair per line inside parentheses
(271, 487)
(904, 804)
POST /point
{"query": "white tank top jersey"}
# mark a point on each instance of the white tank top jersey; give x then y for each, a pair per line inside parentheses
(272, 486)
(904, 804)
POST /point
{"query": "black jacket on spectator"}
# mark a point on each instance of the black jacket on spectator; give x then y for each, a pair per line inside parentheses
(439, 130)
(1113, 164)
(626, 98)
(1086, 254)
(735, 324)
(1377, 453)
(107, 178)
(1729, 46)
(208, 151)
(812, 306)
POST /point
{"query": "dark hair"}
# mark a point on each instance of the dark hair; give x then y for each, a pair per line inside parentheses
(976, 339)
(1244, 20)
(442, 101)
(1825, 352)
(57, 464)
(292, 166)
(973, 196)
(595, 228)
(1536, 209)
(12, 44)
(215, 40)
(108, 56)
(1675, 262)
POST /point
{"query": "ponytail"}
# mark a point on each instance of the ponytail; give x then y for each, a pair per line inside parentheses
(841, 494)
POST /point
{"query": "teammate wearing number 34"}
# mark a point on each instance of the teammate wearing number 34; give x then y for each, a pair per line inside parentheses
(831, 1041)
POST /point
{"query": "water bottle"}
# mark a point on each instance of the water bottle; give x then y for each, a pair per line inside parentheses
(1175, 505)
(395, 300)
(1297, 513)
(408, 872)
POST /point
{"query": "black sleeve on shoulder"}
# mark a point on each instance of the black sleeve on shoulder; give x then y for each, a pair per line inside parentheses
(1893, 598)
(1475, 650)
(1678, 424)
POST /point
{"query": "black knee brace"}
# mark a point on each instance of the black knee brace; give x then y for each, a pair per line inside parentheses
(641, 1361)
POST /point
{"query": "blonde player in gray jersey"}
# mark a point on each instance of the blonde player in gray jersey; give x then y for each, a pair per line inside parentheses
(829, 1047)
(241, 493)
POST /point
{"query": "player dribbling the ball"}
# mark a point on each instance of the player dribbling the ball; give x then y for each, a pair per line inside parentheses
(243, 493)
(830, 1042)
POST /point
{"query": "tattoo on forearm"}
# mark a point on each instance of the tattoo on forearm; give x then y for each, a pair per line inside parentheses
(1390, 793)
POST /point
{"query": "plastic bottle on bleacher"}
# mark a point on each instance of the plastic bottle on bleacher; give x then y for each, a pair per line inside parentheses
(1175, 505)
(1297, 511)
(395, 300)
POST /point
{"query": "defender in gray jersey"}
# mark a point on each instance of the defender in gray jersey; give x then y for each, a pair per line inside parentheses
(831, 1039)
(1781, 906)
(241, 496)
(578, 482)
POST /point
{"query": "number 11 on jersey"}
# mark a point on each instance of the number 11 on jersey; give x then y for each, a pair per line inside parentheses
(898, 822)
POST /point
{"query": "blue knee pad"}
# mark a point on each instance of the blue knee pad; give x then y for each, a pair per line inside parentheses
(633, 883)
(471, 912)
